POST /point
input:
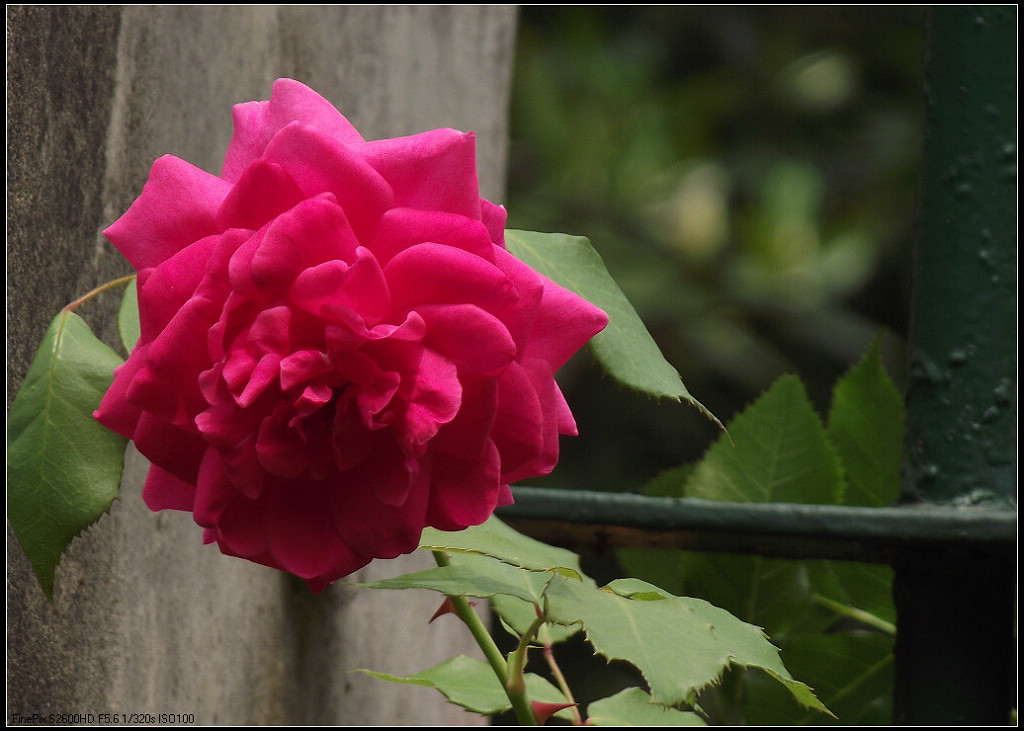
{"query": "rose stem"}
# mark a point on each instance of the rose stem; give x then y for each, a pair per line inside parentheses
(520, 703)
(549, 655)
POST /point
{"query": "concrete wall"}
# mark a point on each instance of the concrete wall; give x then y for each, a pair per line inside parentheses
(146, 619)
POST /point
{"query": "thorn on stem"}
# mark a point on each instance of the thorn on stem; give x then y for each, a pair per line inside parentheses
(544, 711)
(446, 608)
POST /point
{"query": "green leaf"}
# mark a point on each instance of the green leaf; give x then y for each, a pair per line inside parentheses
(670, 482)
(852, 672)
(633, 707)
(63, 467)
(128, 317)
(625, 348)
(862, 586)
(516, 617)
(495, 539)
(679, 644)
(477, 576)
(769, 592)
(472, 684)
(637, 590)
(866, 425)
(778, 452)
(496, 542)
(524, 591)
(775, 593)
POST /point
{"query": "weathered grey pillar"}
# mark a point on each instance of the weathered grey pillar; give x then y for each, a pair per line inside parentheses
(146, 619)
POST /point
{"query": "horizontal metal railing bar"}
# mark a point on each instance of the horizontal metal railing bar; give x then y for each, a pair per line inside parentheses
(599, 519)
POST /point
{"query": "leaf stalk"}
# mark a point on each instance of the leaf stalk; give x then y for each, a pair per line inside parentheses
(71, 306)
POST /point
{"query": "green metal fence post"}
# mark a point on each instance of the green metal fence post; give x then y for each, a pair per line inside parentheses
(955, 645)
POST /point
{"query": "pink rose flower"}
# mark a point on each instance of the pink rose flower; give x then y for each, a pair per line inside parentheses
(336, 349)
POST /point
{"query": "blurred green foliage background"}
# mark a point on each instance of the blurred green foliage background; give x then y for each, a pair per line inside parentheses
(749, 176)
(747, 173)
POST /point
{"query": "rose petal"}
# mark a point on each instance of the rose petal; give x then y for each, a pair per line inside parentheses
(352, 441)
(224, 425)
(494, 218)
(394, 528)
(468, 336)
(273, 331)
(430, 391)
(318, 164)
(279, 448)
(311, 400)
(263, 191)
(468, 435)
(243, 466)
(523, 437)
(432, 171)
(266, 374)
(401, 228)
(360, 287)
(177, 207)
(174, 450)
(170, 285)
(300, 535)
(168, 383)
(303, 366)
(214, 492)
(115, 411)
(256, 123)
(164, 491)
(464, 492)
(216, 282)
(565, 323)
(530, 290)
(351, 331)
(505, 495)
(373, 398)
(312, 232)
(543, 441)
(563, 416)
(240, 532)
(433, 273)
